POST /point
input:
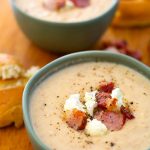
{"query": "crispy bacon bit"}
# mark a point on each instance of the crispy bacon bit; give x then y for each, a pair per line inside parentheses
(54, 4)
(98, 115)
(121, 47)
(81, 3)
(112, 105)
(113, 121)
(137, 54)
(126, 111)
(107, 87)
(102, 98)
(76, 119)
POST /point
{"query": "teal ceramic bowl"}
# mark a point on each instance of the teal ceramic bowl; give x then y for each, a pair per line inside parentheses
(63, 37)
(65, 61)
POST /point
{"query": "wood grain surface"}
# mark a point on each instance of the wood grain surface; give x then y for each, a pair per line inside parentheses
(13, 41)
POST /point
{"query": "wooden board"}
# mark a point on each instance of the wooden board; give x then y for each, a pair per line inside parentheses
(13, 41)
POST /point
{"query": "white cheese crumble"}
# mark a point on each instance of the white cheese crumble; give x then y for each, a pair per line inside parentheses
(116, 93)
(10, 71)
(69, 4)
(95, 128)
(30, 72)
(73, 102)
(90, 96)
(90, 102)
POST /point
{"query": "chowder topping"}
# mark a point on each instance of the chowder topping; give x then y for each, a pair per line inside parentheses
(90, 102)
(81, 3)
(59, 4)
(95, 128)
(102, 110)
(73, 102)
(76, 119)
(117, 94)
(54, 4)
(113, 120)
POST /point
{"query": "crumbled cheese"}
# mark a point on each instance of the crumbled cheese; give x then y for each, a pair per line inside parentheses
(73, 102)
(32, 71)
(90, 96)
(116, 93)
(69, 4)
(95, 128)
(90, 105)
(90, 102)
(10, 71)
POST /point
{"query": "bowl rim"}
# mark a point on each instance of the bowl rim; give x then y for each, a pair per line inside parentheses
(115, 4)
(28, 88)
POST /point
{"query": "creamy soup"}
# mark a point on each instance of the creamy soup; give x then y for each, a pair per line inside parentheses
(67, 14)
(49, 97)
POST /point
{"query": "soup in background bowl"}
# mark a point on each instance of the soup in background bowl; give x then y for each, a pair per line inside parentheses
(68, 12)
(46, 95)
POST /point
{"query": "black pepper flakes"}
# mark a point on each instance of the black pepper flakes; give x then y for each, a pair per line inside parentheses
(112, 144)
(91, 88)
(131, 103)
(88, 142)
(83, 146)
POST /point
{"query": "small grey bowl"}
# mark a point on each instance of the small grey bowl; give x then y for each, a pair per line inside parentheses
(64, 37)
(66, 61)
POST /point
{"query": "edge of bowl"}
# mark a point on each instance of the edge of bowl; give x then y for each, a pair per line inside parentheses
(141, 68)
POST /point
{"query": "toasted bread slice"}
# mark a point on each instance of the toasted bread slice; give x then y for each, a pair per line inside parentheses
(11, 102)
(11, 106)
(133, 13)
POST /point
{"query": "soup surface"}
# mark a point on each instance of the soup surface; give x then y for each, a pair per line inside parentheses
(75, 14)
(49, 97)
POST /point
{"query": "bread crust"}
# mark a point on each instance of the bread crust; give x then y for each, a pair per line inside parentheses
(133, 13)
(11, 106)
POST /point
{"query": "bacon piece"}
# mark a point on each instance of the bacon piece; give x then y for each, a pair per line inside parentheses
(122, 47)
(102, 98)
(135, 54)
(112, 105)
(54, 4)
(76, 119)
(126, 111)
(81, 3)
(98, 115)
(113, 121)
(107, 87)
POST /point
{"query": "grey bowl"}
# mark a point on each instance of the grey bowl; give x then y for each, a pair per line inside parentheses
(63, 37)
(65, 61)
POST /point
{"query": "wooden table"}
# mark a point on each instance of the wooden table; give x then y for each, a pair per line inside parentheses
(13, 41)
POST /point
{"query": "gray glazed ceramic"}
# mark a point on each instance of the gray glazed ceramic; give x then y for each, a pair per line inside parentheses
(64, 62)
(63, 37)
